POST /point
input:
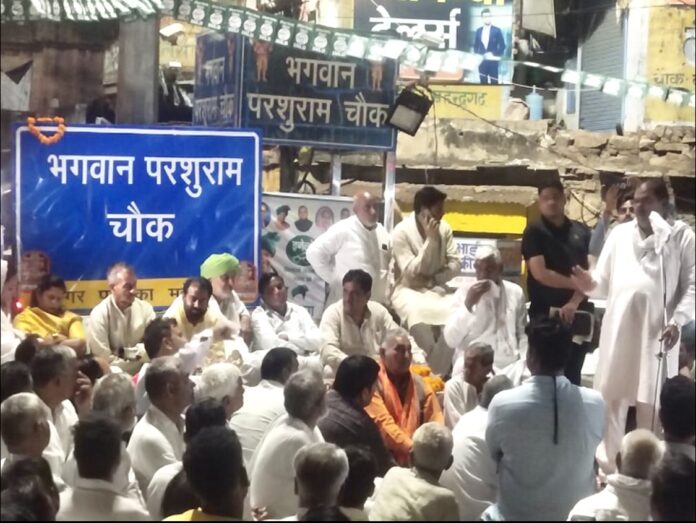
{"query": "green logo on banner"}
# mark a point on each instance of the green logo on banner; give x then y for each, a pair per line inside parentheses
(297, 248)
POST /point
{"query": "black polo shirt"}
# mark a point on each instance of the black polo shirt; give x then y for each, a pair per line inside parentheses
(562, 248)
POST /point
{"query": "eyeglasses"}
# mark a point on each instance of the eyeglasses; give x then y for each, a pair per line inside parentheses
(624, 210)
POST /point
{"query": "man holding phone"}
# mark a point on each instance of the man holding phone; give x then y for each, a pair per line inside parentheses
(425, 260)
(551, 248)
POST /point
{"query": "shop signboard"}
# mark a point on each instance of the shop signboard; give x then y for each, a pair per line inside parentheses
(297, 97)
(483, 27)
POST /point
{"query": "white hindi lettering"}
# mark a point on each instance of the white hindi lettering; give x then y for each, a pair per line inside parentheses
(84, 167)
(310, 110)
(227, 106)
(206, 110)
(360, 112)
(330, 74)
(411, 27)
(157, 226)
(214, 71)
(215, 171)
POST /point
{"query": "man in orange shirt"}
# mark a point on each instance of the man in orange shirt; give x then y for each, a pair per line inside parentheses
(402, 401)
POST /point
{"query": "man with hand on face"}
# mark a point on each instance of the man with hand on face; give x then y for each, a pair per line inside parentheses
(358, 242)
(117, 324)
(426, 259)
(646, 273)
(551, 248)
(490, 310)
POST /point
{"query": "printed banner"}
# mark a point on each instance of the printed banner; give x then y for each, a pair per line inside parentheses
(290, 224)
(303, 98)
(482, 27)
(216, 86)
(161, 199)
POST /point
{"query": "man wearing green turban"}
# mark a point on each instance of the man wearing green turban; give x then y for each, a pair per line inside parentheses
(222, 271)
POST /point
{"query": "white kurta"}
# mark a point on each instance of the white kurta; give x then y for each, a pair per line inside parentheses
(124, 481)
(192, 355)
(629, 275)
(472, 476)
(342, 337)
(156, 441)
(110, 328)
(263, 405)
(231, 309)
(422, 269)
(296, 330)
(498, 319)
(9, 338)
(63, 418)
(407, 495)
(349, 245)
(271, 471)
(158, 486)
(460, 398)
(623, 495)
(98, 500)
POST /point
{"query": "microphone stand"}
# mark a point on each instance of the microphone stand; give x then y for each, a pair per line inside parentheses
(661, 354)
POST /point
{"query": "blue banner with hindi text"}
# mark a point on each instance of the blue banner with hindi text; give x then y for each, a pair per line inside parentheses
(161, 199)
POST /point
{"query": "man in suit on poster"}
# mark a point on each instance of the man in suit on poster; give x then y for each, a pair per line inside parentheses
(490, 43)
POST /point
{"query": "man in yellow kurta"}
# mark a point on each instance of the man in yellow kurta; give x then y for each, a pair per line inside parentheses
(402, 401)
(48, 319)
(426, 259)
(192, 315)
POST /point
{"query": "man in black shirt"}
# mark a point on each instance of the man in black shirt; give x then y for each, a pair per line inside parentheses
(551, 248)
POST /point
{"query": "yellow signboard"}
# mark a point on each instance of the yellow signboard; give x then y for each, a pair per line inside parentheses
(460, 101)
(669, 32)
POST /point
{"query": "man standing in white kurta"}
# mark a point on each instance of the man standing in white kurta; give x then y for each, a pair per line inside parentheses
(646, 272)
(426, 259)
(358, 242)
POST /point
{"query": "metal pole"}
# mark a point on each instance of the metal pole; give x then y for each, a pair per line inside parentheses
(389, 189)
(335, 174)
(138, 72)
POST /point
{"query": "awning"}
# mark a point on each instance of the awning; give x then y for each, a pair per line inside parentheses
(22, 11)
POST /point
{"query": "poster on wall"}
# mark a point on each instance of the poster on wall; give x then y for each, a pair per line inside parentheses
(290, 223)
(160, 199)
(483, 27)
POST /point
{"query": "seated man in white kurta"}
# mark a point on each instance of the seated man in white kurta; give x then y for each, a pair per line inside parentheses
(158, 438)
(356, 324)
(358, 242)
(426, 259)
(490, 310)
(280, 323)
(117, 324)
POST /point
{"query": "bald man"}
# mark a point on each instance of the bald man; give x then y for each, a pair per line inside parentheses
(358, 242)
